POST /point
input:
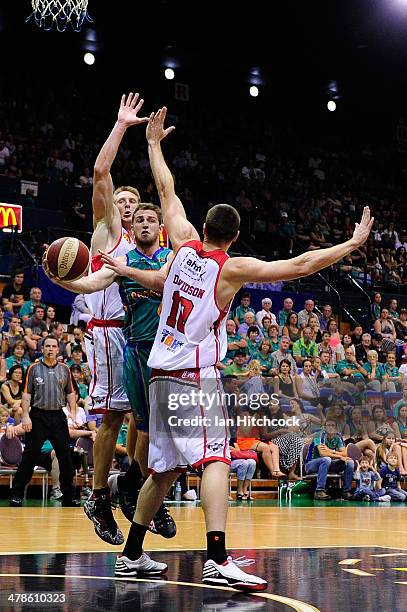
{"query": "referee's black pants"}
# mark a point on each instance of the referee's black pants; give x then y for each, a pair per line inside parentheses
(49, 425)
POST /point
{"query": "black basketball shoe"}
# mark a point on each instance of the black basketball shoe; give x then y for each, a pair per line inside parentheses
(99, 510)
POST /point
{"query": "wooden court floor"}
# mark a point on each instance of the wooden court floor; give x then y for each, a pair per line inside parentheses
(326, 558)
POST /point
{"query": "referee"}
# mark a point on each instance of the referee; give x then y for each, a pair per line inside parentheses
(47, 390)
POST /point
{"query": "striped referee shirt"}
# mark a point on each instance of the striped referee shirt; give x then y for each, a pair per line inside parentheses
(48, 385)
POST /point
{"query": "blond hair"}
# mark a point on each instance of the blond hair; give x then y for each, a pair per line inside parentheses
(255, 367)
(132, 190)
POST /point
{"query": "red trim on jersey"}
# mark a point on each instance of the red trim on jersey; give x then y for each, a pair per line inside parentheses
(210, 460)
(109, 369)
(189, 374)
(197, 356)
(96, 262)
(93, 322)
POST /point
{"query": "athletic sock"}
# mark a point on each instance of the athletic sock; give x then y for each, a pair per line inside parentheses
(133, 476)
(215, 542)
(134, 545)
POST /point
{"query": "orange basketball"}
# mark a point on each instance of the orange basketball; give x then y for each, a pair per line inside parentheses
(67, 258)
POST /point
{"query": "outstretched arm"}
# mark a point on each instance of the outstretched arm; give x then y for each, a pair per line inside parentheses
(239, 270)
(96, 281)
(174, 218)
(151, 279)
(102, 201)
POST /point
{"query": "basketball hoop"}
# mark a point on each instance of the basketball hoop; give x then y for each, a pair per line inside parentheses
(59, 13)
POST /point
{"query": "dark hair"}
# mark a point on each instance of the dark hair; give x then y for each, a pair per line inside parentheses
(76, 368)
(222, 223)
(77, 348)
(284, 361)
(54, 325)
(39, 307)
(50, 337)
(13, 368)
(148, 206)
(246, 294)
(290, 314)
(253, 328)
(240, 354)
(307, 359)
(17, 271)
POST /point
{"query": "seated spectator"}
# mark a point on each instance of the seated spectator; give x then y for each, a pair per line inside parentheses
(283, 353)
(337, 412)
(366, 477)
(265, 312)
(78, 340)
(264, 356)
(379, 347)
(303, 315)
(248, 438)
(325, 317)
(349, 369)
(242, 310)
(385, 326)
(3, 369)
(361, 350)
(308, 388)
(238, 367)
(400, 325)
(373, 371)
(83, 390)
(356, 335)
(393, 309)
(50, 317)
(12, 392)
(3, 322)
(388, 445)
(77, 358)
(272, 335)
(37, 324)
(282, 315)
(342, 346)
(327, 453)
(390, 475)
(235, 343)
(291, 328)
(27, 309)
(17, 357)
(332, 328)
(249, 321)
(305, 347)
(285, 385)
(400, 422)
(120, 452)
(325, 347)
(252, 340)
(15, 332)
(392, 379)
(57, 330)
(355, 431)
(313, 323)
(80, 311)
(15, 293)
(376, 307)
(379, 425)
(244, 463)
(328, 372)
(403, 400)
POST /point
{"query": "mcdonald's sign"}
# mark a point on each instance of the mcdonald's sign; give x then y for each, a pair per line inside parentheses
(11, 217)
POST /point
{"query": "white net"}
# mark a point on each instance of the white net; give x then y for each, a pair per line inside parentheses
(48, 14)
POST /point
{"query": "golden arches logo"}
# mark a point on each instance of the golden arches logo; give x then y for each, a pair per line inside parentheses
(6, 215)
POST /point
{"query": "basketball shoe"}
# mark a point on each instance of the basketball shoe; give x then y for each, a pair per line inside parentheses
(143, 566)
(230, 574)
(162, 524)
(99, 510)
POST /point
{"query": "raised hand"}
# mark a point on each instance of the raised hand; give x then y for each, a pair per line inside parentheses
(362, 229)
(128, 110)
(113, 263)
(155, 129)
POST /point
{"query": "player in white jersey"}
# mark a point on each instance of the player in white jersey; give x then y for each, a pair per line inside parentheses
(113, 232)
(189, 368)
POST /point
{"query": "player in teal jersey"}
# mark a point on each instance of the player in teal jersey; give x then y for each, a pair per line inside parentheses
(140, 325)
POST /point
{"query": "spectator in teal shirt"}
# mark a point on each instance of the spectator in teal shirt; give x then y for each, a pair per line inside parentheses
(349, 369)
(17, 358)
(373, 371)
(392, 378)
(27, 309)
(243, 309)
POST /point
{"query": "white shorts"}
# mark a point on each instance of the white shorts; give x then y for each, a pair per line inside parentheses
(188, 422)
(104, 346)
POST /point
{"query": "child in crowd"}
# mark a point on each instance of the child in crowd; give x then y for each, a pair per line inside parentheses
(366, 477)
(390, 475)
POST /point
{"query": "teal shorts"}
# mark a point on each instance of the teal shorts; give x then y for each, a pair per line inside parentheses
(136, 377)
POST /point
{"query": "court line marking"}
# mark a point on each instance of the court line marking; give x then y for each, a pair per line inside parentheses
(154, 550)
(295, 604)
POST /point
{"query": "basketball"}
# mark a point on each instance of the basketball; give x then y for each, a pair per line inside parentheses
(67, 258)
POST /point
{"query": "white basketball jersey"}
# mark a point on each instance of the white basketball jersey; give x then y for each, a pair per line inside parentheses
(107, 304)
(192, 328)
